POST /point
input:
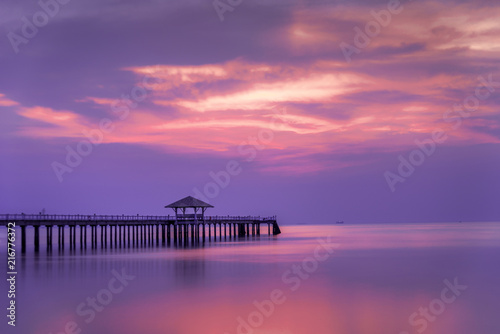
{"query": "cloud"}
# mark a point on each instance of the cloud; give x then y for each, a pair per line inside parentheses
(6, 102)
(286, 112)
(288, 81)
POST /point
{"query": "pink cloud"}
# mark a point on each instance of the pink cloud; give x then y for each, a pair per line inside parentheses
(318, 107)
(6, 102)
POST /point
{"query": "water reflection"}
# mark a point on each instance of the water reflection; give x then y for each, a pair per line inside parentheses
(377, 278)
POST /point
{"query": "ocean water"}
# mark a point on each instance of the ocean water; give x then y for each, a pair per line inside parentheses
(322, 279)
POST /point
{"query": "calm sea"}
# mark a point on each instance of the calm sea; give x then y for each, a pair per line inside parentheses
(343, 279)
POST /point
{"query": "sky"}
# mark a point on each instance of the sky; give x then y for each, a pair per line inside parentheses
(314, 111)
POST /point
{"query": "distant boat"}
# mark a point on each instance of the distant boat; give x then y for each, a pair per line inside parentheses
(340, 222)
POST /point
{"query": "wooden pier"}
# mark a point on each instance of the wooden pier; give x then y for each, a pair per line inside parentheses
(107, 231)
(140, 231)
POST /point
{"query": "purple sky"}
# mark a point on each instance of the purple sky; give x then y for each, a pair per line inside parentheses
(312, 105)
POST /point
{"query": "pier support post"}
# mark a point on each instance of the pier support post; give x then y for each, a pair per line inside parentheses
(92, 236)
(168, 233)
(148, 235)
(241, 232)
(62, 237)
(74, 236)
(124, 230)
(84, 236)
(141, 237)
(137, 236)
(128, 236)
(111, 236)
(70, 237)
(23, 239)
(119, 227)
(157, 234)
(175, 234)
(95, 236)
(81, 236)
(102, 236)
(105, 227)
(37, 238)
(47, 236)
(116, 236)
(48, 231)
(276, 229)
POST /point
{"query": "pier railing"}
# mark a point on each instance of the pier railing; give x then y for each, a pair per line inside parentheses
(52, 218)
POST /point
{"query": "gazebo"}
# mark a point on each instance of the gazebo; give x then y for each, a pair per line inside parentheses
(186, 203)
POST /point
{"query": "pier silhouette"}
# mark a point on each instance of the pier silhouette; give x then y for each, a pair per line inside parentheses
(116, 231)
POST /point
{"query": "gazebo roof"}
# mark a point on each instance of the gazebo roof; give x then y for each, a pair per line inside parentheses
(189, 202)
